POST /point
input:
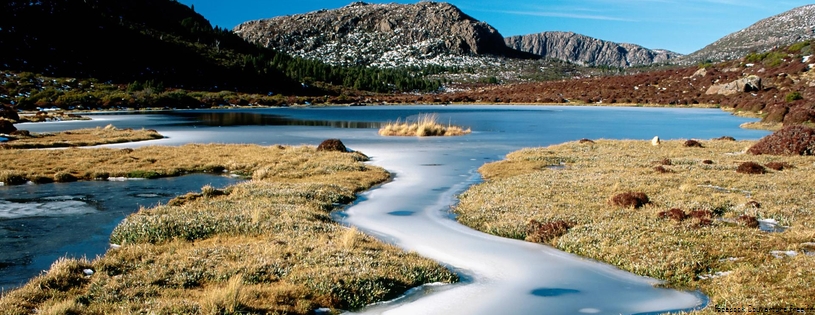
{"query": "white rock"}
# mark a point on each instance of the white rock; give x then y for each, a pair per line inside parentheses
(655, 140)
(783, 253)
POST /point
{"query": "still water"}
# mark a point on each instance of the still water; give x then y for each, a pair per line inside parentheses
(412, 211)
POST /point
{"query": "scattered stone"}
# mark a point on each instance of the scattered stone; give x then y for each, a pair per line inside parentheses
(783, 253)
(771, 225)
(749, 84)
(332, 145)
(655, 141)
(714, 275)
(700, 73)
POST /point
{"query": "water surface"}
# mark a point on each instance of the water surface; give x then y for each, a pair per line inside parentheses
(501, 275)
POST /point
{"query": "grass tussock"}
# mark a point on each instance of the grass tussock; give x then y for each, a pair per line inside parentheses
(264, 246)
(80, 138)
(702, 218)
(425, 126)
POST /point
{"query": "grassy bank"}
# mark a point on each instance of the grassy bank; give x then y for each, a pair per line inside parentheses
(697, 231)
(263, 246)
(79, 138)
(425, 126)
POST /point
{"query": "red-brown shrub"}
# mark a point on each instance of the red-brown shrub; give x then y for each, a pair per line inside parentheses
(332, 145)
(791, 140)
(675, 214)
(751, 168)
(778, 166)
(748, 221)
(666, 162)
(584, 140)
(707, 162)
(661, 169)
(543, 232)
(693, 144)
(630, 199)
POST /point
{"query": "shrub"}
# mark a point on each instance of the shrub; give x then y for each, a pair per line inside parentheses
(12, 178)
(693, 144)
(725, 138)
(707, 162)
(675, 214)
(661, 169)
(630, 199)
(778, 166)
(64, 177)
(332, 145)
(753, 204)
(751, 168)
(790, 140)
(748, 221)
(666, 162)
(584, 140)
(793, 96)
(543, 232)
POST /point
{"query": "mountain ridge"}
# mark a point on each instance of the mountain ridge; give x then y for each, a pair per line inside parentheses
(589, 51)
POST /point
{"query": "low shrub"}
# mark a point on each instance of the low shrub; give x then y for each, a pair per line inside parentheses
(693, 144)
(12, 178)
(630, 199)
(332, 145)
(725, 138)
(543, 232)
(675, 214)
(778, 166)
(64, 177)
(790, 140)
(662, 169)
(751, 168)
(748, 221)
(753, 204)
(707, 162)
(584, 140)
(666, 162)
(793, 96)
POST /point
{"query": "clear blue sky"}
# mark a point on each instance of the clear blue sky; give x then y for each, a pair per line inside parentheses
(683, 26)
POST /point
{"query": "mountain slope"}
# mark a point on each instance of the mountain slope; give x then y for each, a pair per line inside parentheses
(125, 41)
(386, 35)
(781, 30)
(586, 50)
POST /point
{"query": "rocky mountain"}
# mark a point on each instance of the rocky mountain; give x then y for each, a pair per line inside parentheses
(585, 50)
(793, 26)
(382, 35)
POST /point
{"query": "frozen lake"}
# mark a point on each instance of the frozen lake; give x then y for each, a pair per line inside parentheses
(501, 275)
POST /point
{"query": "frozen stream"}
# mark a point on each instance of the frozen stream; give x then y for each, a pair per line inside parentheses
(501, 276)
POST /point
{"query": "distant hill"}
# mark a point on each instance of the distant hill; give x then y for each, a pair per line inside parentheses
(383, 35)
(124, 41)
(793, 26)
(585, 50)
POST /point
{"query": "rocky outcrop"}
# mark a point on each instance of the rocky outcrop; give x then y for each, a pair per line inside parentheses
(387, 35)
(586, 50)
(749, 84)
(777, 31)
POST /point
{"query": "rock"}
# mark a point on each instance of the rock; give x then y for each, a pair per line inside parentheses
(7, 127)
(586, 50)
(655, 141)
(790, 140)
(749, 84)
(700, 73)
(332, 145)
(377, 34)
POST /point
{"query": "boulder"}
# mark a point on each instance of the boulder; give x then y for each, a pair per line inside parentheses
(748, 84)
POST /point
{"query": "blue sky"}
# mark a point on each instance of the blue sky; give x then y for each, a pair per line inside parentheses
(683, 26)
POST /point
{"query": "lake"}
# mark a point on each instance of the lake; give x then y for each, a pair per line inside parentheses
(412, 211)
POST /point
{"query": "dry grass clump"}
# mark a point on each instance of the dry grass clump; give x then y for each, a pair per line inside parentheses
(629, 200)
(751, 168)
(790, 140)
(80, 138)
(265, 246)
(425, 126)
(652, 241)
(693, 144)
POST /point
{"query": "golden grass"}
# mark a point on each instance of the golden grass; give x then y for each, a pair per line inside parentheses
(523, 188)
(425, 126)
(263, 246)
(80, 138)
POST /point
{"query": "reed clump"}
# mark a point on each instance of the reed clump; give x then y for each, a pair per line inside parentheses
(80, 138)
(715, 245)
(264, 246)
(425, 126)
